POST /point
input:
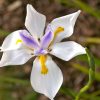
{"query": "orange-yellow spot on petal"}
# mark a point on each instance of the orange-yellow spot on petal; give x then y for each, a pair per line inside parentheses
(18, 41)
(44, 69)
(57, 31)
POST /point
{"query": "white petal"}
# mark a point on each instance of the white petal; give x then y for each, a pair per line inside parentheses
(15, 57)
(49, 83)
(10, 41)
(67, 50)
(35, 22)
(67, 22)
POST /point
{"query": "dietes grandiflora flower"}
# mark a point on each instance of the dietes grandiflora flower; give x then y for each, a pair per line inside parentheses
(21, 45)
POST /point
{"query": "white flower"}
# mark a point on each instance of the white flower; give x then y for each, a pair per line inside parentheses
(21, 45)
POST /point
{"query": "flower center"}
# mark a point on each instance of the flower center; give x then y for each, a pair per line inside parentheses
(44, 69)
(40, 52)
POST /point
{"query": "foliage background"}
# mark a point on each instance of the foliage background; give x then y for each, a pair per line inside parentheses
(14, 80)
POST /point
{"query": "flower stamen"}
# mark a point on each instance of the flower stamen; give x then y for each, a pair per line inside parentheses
(44, 69)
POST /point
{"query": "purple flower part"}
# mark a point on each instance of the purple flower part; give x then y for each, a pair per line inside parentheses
(29, 40)
(47, 38)
(40, 52)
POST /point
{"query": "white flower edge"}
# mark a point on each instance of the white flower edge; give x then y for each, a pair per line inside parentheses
(67, 50)
(11, 41)
(50, 83)
(35, 22)
(15, 57)
(67, 22)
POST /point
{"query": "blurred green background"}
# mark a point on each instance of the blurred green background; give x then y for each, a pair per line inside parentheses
(15, 80)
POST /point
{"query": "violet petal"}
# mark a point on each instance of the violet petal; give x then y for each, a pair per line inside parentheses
(29, 40)
(47, 38)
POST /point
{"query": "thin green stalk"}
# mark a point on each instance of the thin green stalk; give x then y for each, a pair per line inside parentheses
(72, 94)
(91, 40)
(84, 58)
(91, 75)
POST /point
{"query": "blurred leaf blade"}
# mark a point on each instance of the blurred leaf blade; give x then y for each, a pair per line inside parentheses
(30, 96)
(83, 6)
(3, 33)
(85, 70)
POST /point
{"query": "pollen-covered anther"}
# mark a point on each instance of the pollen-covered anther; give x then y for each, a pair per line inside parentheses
(18, 41)
(44, 69)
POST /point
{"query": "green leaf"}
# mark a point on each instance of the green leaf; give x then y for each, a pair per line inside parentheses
(30, 96)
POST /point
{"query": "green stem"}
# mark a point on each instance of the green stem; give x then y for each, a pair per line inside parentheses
(92, 40)
(91, 75)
